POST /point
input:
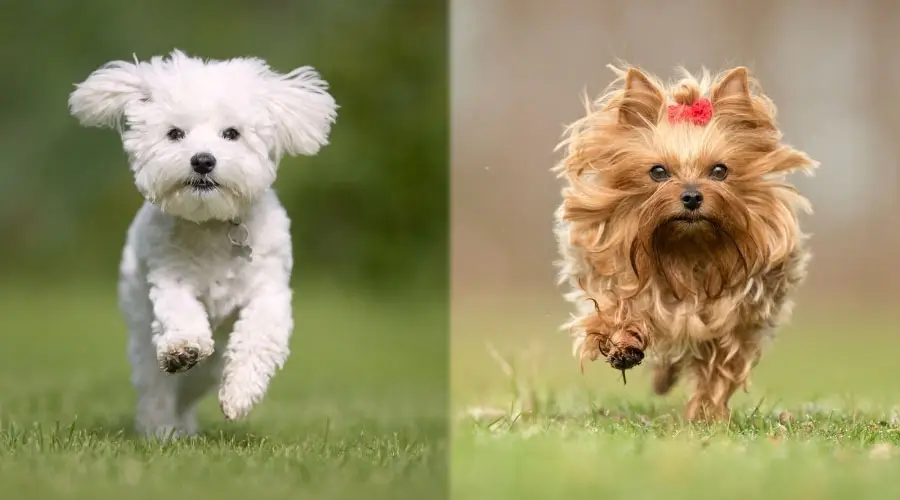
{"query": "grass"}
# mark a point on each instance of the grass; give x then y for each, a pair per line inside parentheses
(822, 419)
(360, 409)
(591, 455)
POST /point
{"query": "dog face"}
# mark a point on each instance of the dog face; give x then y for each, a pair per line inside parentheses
(689, 187)
(204, 138)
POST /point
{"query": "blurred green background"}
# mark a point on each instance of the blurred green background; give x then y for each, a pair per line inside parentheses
(371, 207)
(361, 405)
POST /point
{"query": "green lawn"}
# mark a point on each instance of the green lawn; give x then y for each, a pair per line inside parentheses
(359, 411)
(821, 420)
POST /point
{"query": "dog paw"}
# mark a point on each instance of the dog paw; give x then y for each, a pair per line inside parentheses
(235, 403)
(665, 376)
(626, 350)
(625, 358)
(182, 355)
(166, 433)
(701, 411)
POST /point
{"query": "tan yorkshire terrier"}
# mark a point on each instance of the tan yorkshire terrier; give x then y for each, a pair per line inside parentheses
(678, 230)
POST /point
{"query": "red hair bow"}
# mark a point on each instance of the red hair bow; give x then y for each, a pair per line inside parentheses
(699, 113)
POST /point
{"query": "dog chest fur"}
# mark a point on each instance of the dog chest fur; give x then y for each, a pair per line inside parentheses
(201, 256)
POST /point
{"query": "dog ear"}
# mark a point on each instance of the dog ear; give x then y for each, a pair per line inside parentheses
(641, 100)
(100, 100)
(736, 106)
(302, 111)
(734, 85)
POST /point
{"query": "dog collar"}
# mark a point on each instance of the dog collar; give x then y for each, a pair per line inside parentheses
(239, 236)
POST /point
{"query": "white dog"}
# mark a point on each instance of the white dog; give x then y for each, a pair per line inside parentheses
(204, 277)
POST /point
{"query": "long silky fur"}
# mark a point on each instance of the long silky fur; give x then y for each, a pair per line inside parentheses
(702, 290)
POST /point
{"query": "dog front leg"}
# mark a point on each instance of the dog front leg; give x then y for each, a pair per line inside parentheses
(719, 370)
(257, 348)
(180, 329)
(613, 333)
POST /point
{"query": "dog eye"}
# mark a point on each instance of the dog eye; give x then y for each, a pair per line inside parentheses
(659, 173)
(718, 172)
(231, 134)
(175, 134)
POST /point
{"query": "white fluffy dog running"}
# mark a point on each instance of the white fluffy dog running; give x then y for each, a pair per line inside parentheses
(204, 278)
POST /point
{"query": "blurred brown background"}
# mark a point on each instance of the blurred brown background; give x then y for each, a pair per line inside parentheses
(518, 69)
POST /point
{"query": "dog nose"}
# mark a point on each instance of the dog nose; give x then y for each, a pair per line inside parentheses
(691, 199)
(203, 163)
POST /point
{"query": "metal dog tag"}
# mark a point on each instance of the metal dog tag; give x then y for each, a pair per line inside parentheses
(239, 236)
(243, 252)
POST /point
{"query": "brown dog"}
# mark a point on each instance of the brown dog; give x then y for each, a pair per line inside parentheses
(678, 231)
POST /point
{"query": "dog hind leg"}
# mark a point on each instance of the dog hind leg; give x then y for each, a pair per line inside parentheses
(157, 413)
(192, 386)
(665, 376)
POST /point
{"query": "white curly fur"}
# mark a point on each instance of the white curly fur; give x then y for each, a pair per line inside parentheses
(194, 305)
